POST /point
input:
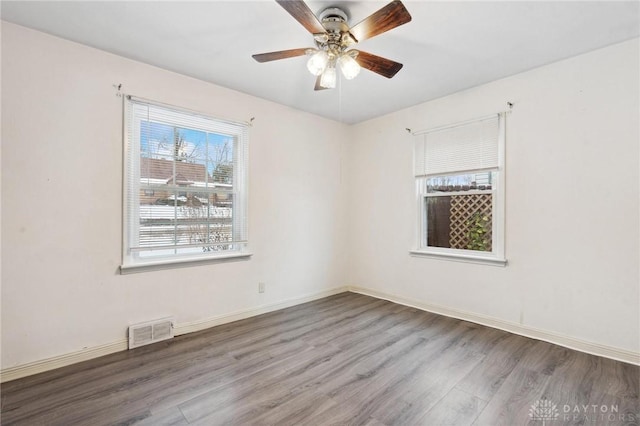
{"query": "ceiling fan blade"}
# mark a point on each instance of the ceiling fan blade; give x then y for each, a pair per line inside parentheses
(281, 54)
(383, 66)
(392, 15)
(317, 86)
(301, 13)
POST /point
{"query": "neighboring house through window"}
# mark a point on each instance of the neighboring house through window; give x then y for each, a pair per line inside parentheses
(459, 172)
(185, 186)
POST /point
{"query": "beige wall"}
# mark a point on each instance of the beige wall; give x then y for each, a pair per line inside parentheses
(61, 196)
(571, 202)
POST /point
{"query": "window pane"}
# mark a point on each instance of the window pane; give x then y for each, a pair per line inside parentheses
(203, 227)
(438, 221)
(466, 182)
(175, 164)
(462, 220)
(221, 155)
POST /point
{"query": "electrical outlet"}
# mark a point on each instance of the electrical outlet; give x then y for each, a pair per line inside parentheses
(261, 287)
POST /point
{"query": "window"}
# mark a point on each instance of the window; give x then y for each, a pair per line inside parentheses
(185, 186)
(459, 173)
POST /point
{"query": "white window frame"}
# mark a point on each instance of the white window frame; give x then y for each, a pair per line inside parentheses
(131, 261)
(497, 255)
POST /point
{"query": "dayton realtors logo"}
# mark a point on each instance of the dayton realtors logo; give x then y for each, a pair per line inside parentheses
(594, 413)
(545, 410)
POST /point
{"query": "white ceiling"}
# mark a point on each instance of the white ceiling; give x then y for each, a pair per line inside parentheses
(447, 47)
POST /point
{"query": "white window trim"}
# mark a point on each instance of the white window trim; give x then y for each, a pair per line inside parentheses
(495, 258)
(129, 265)
(456, 257)
(182, 262)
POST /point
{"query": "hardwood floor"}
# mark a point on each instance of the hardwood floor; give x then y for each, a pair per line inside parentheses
(345, 359)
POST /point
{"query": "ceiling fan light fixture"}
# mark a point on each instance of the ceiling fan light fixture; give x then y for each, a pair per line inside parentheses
(334, 37)
(318, 62)
(328, 78)
(349, 67)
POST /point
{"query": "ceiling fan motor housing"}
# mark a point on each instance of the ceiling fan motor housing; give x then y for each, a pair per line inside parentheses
(333, 14)
(335, 21)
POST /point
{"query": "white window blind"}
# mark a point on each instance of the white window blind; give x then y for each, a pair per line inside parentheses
(185, 184)
(469, 146)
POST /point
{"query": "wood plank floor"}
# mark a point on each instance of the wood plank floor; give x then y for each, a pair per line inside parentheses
(347, 359)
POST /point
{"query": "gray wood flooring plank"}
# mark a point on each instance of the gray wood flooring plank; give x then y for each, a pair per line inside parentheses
(511, 404)
(456, 408)
(485, 380)
(170, 417)
(295, 411)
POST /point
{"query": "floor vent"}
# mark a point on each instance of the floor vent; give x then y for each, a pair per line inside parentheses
(150, 332)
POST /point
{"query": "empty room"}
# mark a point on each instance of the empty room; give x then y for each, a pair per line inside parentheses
(287, 212)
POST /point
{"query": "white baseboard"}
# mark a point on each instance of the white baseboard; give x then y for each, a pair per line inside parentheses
(558, 339)
(41, 366)
(235, 316)
(86, 354)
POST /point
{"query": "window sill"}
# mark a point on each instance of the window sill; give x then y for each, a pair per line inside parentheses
(467, 258)
(181, 263)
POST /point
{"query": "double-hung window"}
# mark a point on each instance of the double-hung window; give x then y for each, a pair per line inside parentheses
(185, 186)
(459, 171)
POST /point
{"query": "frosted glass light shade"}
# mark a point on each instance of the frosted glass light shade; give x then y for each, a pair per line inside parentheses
(349, 67)
(328, 79)
(318, 62)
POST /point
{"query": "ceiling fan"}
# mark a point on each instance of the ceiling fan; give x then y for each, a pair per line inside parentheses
(334, 38)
